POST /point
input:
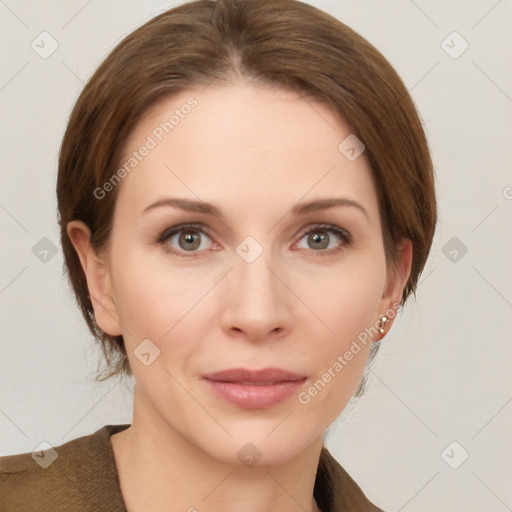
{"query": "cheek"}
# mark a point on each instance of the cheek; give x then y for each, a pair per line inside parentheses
(165, 304)
(150, 298)
(338, 360)
(346, 298)
(346, 302)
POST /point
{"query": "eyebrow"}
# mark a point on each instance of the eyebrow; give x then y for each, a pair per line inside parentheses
(299, 209)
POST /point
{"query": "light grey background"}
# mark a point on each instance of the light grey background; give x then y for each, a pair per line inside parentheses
(443, 373)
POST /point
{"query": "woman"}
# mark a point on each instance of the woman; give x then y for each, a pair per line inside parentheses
(246, 198)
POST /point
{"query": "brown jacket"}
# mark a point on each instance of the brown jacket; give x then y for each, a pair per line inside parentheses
(83, 478)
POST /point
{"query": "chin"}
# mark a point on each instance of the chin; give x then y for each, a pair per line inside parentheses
(258, 445)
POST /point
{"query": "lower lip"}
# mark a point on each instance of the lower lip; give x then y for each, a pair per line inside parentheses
(255, 397)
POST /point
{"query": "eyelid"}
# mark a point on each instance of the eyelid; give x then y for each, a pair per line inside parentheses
(191, 226)
(318, 226)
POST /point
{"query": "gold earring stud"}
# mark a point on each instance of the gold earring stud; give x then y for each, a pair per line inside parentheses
(381, 324)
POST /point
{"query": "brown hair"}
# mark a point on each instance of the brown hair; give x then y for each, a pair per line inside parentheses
(284, 43)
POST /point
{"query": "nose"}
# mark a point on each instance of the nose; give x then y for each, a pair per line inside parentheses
(256, 304)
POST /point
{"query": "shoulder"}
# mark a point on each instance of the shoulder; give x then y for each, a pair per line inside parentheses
(61, 478)
(336, 489)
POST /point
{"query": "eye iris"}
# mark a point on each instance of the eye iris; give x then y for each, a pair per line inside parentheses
(188, 238)
(318, 236)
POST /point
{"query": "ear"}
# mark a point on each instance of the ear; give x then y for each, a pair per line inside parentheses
(395, 283)
(97, 273)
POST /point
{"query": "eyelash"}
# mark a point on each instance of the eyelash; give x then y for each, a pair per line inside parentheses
(199, 228)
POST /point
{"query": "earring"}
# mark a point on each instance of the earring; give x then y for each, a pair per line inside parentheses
(383, 320)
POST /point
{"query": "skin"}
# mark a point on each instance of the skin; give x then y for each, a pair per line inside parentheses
(255, 152)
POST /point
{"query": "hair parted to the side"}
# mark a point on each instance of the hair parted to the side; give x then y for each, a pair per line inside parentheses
(281, 43)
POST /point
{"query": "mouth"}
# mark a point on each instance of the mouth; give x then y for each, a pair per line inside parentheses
(264, 377)
(254, 389)
(269, 383)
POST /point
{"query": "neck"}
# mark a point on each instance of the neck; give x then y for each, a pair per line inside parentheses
(159, 467)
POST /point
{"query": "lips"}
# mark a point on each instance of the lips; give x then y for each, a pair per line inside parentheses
(254, 389)
(264, 377)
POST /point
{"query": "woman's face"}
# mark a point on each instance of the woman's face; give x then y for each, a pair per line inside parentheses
(266, 282)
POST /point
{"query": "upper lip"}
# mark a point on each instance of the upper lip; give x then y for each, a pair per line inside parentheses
(245, 375)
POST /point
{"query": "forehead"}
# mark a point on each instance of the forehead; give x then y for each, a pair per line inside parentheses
(241, 144)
